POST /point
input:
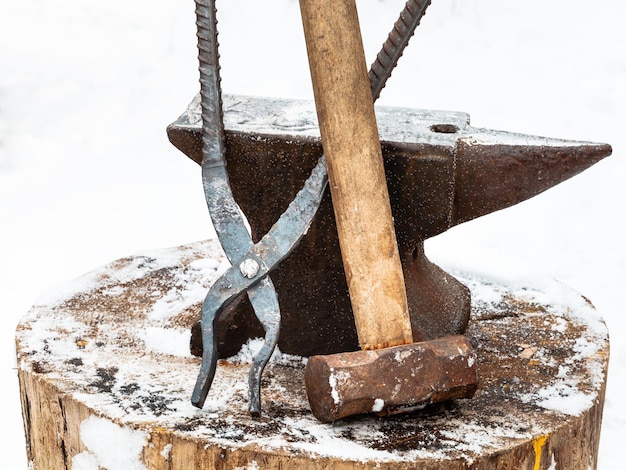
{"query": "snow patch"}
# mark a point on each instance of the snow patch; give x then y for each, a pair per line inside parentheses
(563, 397)
(85, 461)
(328, 444)
(249, 351)
(109, 446)
(552, 464)
(378, 406)
(165, 453)
(250, 466)
(167, 340)
(334, 393)
(471, 360)
(251, 348)
(400, 356)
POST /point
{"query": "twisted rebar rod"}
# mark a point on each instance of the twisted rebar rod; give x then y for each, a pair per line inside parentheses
(395, 44)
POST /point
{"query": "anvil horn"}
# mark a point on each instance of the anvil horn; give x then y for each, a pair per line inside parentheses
(492, 170)
(498, 169)
(440, 172)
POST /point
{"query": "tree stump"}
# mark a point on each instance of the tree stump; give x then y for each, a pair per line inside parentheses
(106, 377)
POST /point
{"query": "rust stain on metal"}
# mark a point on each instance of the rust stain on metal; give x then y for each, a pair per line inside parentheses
(390, 380)
(440, 172)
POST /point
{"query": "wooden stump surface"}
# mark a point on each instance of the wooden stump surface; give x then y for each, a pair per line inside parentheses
(106, 379)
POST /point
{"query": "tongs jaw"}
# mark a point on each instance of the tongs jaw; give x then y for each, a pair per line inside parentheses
(249, 273)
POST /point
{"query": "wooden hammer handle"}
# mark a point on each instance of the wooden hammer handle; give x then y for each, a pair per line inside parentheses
(356, 174)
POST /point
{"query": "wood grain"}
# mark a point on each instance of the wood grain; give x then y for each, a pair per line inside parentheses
(358, 186)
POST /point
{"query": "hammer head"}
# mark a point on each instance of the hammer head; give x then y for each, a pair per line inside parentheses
(390, 380)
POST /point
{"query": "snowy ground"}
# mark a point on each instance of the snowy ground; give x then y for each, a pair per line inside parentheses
(87, 174)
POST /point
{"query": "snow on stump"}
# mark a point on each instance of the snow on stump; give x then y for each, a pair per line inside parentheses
(106, 377)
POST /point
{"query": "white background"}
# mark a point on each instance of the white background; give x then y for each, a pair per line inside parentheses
(87, 174)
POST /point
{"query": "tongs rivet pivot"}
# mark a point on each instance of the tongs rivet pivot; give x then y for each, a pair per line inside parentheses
(249, 268)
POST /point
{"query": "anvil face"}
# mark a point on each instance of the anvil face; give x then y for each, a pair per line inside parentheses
(440, 172)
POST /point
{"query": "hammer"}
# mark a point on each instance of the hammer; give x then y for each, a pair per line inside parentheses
(390, 373)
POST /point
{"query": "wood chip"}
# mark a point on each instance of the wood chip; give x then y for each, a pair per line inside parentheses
(528, 352)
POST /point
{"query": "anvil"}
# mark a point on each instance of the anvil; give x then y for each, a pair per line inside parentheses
(440, 172)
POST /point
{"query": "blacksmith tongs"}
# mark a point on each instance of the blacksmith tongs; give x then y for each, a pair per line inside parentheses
(251, 263)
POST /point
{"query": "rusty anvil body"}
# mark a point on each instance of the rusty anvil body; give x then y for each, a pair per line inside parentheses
(440, 172)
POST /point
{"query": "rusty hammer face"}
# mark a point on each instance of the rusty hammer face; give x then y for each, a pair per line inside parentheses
(390, 380)
(390, 374)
